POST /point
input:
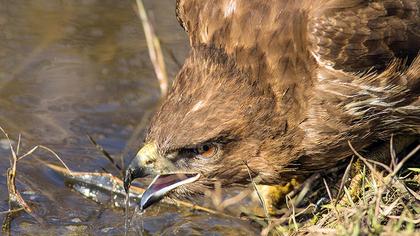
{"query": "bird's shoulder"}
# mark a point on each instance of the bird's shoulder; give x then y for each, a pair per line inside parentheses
(351, 35)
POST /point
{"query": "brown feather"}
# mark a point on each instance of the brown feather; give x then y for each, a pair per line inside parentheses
(284, 84)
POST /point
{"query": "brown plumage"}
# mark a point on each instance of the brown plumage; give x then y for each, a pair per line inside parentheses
(284, 85)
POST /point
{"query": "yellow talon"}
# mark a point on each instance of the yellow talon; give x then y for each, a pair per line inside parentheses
(355, 185)
(273, 196)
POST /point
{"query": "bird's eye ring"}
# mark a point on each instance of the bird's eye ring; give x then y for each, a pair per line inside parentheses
(207, 150)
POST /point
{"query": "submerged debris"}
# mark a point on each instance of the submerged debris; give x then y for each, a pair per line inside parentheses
(16, 202)
(100, 187)
(103, 187)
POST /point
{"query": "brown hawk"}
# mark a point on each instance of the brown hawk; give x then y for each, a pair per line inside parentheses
(281, 85)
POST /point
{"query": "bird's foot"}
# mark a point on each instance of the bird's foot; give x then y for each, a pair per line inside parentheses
(272, 196)
(354, 188)
(358, 171)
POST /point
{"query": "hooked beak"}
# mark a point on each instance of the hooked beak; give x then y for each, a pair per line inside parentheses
(141, 166)
(144, 164)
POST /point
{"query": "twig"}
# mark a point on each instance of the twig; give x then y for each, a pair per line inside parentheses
(392, 152)
(267, 215)
(303, 189)
(107, 155)
(413, 193)
(155, 51)
(348, 195)
(401, 163)
(18, 145)
(109, 182)
(200, 208)
(343, 181)
(47, 149)
(310, 205)
(328, 189)
(56, 156)
(337, 214)
(10, 143)
(15, 199)
(28, 153)
(414, 221)
(293, 216)
(364, 183)
(368, 160)
(11, 211)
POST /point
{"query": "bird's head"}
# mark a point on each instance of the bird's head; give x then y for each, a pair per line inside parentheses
(215, 119)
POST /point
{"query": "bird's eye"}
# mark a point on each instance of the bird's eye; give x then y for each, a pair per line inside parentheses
(207, 150)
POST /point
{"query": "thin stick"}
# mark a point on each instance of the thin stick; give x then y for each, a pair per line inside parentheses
(106, 154)
(328, 189)
(389, 170)
(311, 205)
(155, 51)
(12, 211)
(28, 153)
(337, 214)
(47, 149)
(14, 199)
(18, 145)
(115, 181)
(392, 152)
(414, 221)
(401, 163)
(258, 193)
(343, 181)
(366, 161)
(293, 216)
(364, 184)
(303, 189)
(348, 195)
(56, 156)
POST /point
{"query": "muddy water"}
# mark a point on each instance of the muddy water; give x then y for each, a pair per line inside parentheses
(71, 68)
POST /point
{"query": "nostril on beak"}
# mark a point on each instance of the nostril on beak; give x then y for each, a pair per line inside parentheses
(141, 165)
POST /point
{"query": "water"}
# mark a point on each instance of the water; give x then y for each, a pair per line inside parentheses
(72, 68)
(126, 209)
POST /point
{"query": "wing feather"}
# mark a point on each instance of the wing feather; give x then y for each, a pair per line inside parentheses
(365, 34)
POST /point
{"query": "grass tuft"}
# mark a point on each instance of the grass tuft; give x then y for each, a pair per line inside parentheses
(387, 203)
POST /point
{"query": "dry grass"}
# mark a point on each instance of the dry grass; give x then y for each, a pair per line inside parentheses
(388, 203)
(155, 50)
(16, 202)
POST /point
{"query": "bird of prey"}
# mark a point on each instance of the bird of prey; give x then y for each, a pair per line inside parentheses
(281, 87)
